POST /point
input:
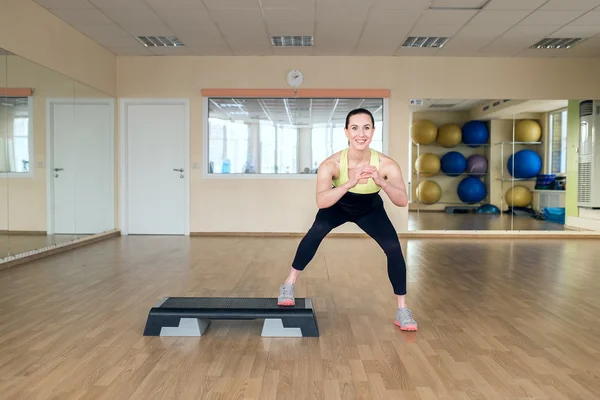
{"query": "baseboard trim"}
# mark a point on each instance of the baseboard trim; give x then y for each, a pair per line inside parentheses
(579, 234)
(15, 233)
(56, 249)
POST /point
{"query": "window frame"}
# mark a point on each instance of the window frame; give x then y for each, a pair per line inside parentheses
(205, 141)
(549, 140)
(31, 143)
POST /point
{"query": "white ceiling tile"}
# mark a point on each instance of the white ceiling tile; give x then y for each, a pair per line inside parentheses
(289, 15)
(354, 4)
(186, 20)
(399, 17)
(531, 31)
(171, 51)
(139, 22)
(514, 4)
(551, 17)
(349, 16)
(130, 50)
(482, 31)
(293, 29)
(381, 39)
(434, 30)
(232, 4)
(110, 34)
(297, 4)
(559, 5)
(499, 17)
(253, 49)
(76, 4)
(196, 38)
(591, 18)
(458, 3)
(82, 16)
(120, 4)
(577, 31)
(446, 17)
(402, 4)
(237, 18)
(176, 4)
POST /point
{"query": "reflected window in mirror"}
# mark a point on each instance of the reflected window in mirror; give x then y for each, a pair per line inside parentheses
(265, 136)
(16, 119)
(557, 135)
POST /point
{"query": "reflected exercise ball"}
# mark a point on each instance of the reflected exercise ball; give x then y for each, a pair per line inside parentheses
(449, 135)
(477, 164)
(429, 192)
(453, 163)
(471, 190)
(528, 130)
(428, 164)
(423, 132)
(519, 196)
(475, 133)
(527, 164)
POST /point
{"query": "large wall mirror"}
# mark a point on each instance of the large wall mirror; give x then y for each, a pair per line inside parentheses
(493, 164)
(56, 159)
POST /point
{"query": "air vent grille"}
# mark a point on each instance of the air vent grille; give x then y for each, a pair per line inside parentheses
(292, 41)
(586, 108)
(425, 41)
(556, 43)
(442, 105)
(584, 184)
(159, 41)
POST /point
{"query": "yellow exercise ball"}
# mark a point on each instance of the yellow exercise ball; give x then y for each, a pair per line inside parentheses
(449, 135)
(423, 132)
(528, 130)
(429, 192)
(519, 196)
(428, 164)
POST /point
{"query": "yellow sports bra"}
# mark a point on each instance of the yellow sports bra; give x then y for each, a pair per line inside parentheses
(360, 188)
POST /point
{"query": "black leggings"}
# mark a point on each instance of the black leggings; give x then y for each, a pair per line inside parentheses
(368, 213)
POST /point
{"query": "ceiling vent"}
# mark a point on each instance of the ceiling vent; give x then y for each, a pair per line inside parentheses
(425, 41)
(556, 43)
(159, 41)
(442, 105)
(292, 41)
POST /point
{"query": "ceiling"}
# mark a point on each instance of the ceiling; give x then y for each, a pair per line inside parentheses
(291, 111)
(506, 28)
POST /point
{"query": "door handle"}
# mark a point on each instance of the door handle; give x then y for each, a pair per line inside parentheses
(58, 169)
(178, 170)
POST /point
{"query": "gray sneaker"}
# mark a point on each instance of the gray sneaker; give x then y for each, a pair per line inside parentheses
(286, 295)
(405, 320)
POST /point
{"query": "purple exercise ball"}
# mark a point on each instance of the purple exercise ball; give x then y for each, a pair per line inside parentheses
(476, 164)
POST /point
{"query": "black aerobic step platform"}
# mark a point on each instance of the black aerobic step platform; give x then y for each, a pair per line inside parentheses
(191, 316)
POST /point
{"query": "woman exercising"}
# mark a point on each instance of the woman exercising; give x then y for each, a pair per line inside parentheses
(348, 185)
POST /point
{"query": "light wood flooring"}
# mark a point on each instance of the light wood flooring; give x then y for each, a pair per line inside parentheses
(498, 319)
(11, 244)
(438, 220)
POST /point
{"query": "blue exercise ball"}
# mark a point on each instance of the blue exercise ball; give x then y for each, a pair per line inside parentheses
(528, 164)
(471, 190)
(453, 163)
(475, 133)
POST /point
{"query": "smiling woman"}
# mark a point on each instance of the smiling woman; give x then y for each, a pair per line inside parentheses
(281, 135)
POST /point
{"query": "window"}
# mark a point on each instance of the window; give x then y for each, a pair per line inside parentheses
(15, 135)
(557, 142)
(281, 135)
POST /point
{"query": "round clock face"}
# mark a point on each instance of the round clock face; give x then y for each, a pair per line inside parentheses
(294, 78)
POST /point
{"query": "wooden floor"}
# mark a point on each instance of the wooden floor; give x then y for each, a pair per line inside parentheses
(498, 319)
(438, 220)
(16, 243)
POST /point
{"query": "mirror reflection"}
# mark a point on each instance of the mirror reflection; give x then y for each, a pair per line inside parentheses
(3, 156)
(57, 159)
(281, 135)
(484, 164)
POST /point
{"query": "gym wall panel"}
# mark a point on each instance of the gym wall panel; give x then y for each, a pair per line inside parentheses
(288, 205)
(32, 32)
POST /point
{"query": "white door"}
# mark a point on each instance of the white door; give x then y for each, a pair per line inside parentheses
(82, 149)
(156, 139)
